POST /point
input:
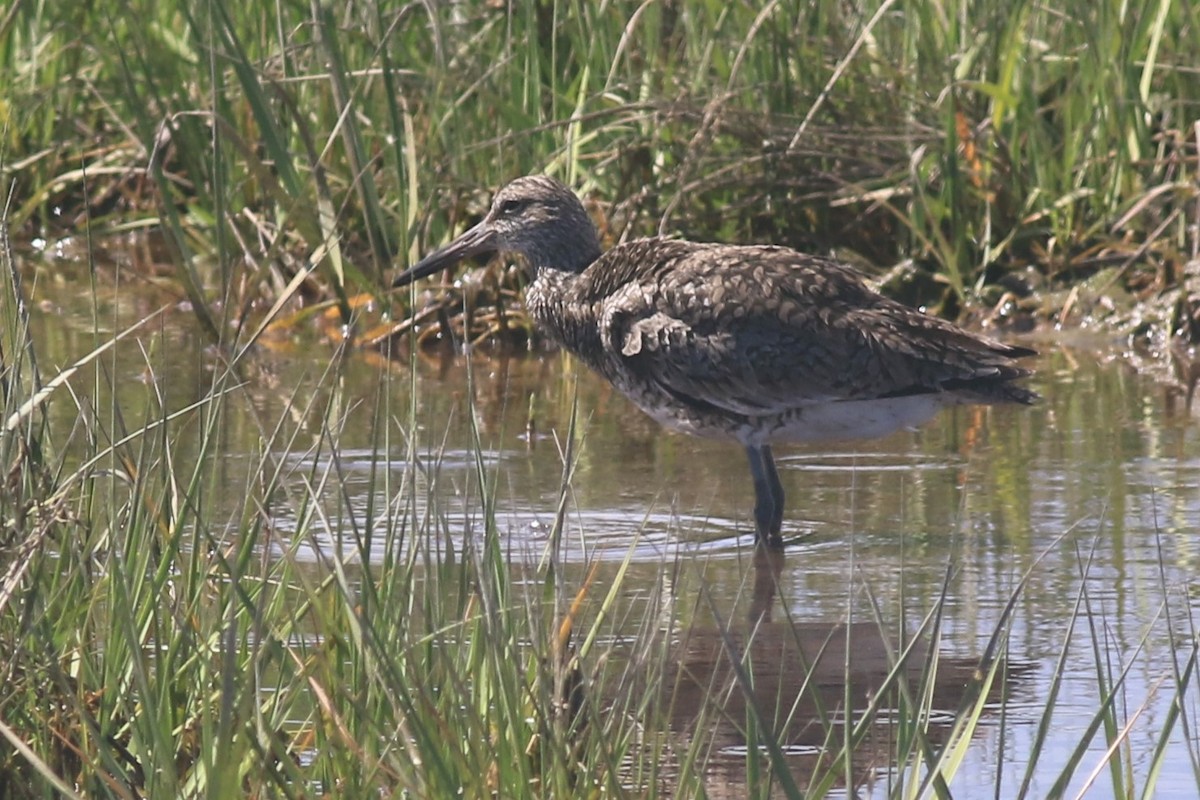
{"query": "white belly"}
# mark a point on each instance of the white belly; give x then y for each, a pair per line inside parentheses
(856, 419)
(851, 419)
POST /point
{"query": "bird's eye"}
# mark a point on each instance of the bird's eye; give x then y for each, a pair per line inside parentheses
(511, 206)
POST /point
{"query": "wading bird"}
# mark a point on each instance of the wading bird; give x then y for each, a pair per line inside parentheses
(756, 344)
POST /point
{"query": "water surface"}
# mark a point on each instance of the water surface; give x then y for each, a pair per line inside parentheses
(1092, 497)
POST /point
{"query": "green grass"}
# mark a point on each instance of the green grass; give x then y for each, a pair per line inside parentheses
(976, 139)
(156, 641)
(159, 642)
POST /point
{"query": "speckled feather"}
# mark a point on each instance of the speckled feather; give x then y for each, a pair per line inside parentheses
(758, 331)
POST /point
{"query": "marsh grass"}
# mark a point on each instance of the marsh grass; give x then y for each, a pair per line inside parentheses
(167, 630)
(296, 153)
(164, 632)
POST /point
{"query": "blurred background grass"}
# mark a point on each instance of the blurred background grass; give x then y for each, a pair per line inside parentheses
(976, 148)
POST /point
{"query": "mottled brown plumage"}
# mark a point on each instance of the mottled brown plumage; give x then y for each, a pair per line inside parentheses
(753, 343)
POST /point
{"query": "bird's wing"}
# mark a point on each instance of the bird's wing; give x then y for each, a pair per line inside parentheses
(761, 330)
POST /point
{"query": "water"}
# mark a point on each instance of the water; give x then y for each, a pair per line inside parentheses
(1092, 497)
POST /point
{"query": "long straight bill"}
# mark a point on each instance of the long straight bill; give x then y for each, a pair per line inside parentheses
(479, 239)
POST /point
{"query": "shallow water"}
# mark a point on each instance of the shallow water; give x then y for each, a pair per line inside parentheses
(1092, 496)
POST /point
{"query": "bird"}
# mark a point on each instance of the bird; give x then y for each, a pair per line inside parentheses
(758, 344)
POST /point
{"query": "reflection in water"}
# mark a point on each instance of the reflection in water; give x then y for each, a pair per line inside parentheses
(768, 568)
(804, 682)
(1185, 362)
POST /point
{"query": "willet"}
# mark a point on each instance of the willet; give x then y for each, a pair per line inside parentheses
(756, 344)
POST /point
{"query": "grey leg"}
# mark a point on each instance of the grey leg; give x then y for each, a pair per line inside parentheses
(768, 495)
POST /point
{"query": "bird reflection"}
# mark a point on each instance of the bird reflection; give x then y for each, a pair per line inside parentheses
(791, 681)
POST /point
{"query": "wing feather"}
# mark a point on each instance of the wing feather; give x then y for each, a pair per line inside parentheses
(764, 330)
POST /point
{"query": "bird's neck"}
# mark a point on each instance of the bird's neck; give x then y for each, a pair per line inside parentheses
(559, 311)
(567, 256)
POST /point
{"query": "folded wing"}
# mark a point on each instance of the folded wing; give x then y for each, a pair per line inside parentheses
(762, 330)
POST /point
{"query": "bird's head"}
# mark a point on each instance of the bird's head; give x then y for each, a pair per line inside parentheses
(534, 216)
